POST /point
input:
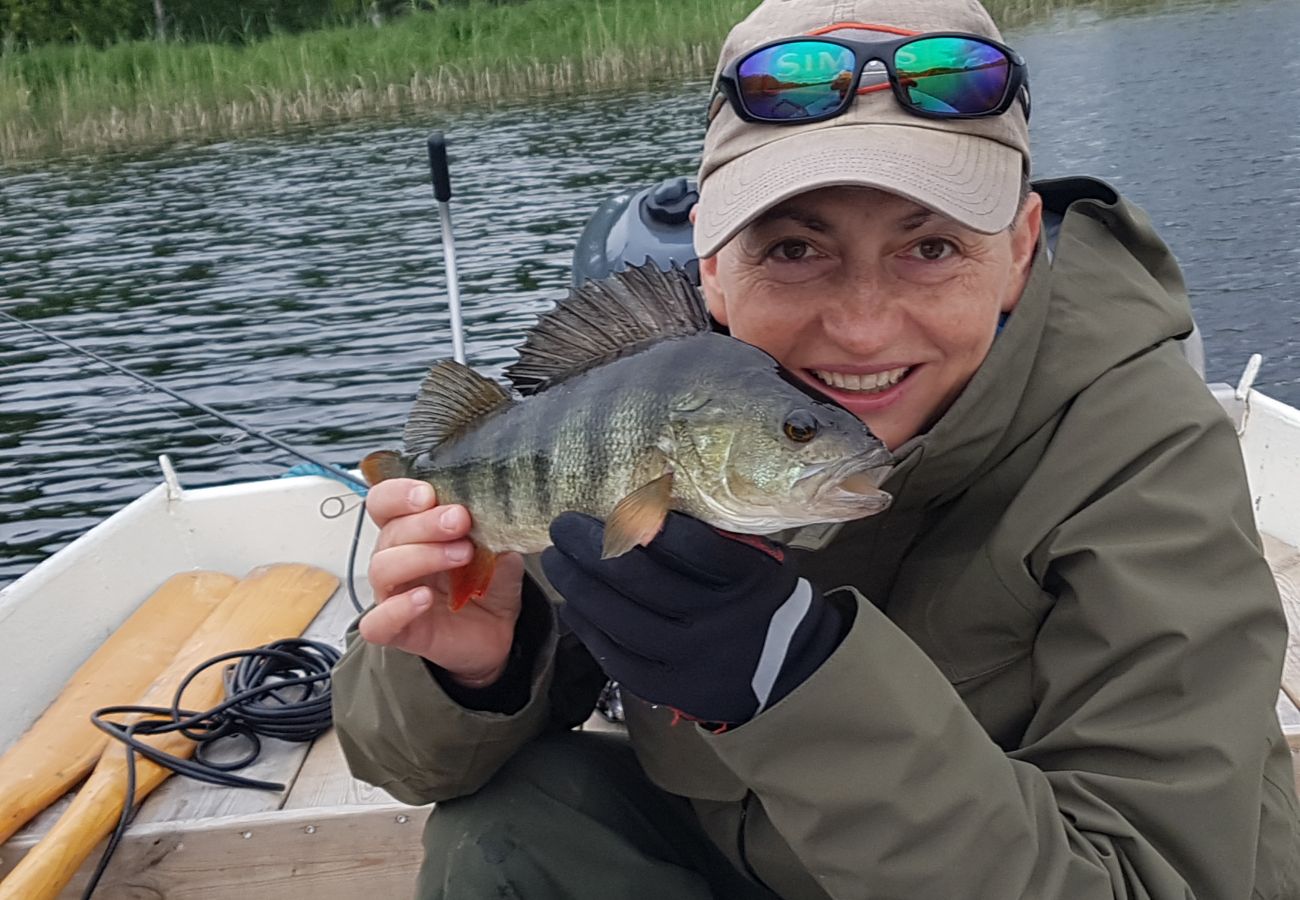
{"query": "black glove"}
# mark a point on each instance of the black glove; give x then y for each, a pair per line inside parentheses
(716, 627)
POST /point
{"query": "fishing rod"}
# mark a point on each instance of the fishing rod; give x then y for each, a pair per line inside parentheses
(216, 414)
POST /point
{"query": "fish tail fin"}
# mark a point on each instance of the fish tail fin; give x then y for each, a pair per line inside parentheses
(382, 465)
(470, 581)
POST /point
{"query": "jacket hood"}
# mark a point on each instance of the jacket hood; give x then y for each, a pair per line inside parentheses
(1110, 290)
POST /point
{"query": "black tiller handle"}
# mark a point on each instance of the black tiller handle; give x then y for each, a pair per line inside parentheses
(438, 167)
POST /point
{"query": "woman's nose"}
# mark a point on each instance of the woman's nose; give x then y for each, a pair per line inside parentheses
(863, 318)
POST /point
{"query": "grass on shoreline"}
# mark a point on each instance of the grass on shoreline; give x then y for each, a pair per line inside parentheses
(61, 99)
(71, 99)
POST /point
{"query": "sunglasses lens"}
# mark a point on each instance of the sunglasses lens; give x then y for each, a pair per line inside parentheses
(953, 75)
(796, 80)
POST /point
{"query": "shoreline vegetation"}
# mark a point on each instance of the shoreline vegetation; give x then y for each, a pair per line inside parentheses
(64, 99)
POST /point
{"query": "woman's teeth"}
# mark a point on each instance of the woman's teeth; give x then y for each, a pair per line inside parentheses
(867, 384)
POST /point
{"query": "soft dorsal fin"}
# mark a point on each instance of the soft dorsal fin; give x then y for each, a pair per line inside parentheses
(605, 319)
(451, 397)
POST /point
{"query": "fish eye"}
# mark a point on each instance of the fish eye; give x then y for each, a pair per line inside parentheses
(800, 426)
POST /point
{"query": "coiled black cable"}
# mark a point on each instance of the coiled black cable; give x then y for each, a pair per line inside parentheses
(279, 690)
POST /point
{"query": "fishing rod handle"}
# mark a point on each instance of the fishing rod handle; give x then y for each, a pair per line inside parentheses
(438, 167)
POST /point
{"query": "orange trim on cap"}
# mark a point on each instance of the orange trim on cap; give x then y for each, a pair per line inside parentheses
(861, 26)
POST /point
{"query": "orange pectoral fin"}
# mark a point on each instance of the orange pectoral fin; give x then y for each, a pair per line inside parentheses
(638, 517)
(470, 581)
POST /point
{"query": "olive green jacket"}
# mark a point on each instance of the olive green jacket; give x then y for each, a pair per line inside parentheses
(1061, 676)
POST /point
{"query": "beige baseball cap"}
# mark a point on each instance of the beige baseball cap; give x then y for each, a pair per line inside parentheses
(967, 169)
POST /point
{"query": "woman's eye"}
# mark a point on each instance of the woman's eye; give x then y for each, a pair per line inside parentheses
(791, 250)
(933, 249)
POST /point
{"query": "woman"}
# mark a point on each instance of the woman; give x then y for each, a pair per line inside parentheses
(1048, 671)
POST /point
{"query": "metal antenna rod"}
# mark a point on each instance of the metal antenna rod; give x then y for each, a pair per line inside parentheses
(143, 379)
(442, 192)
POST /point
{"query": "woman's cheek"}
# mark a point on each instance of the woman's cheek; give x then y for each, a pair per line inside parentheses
(796, 271)
(769, 323)
(927, 272)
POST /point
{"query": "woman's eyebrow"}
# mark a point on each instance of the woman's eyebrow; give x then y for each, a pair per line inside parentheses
(909, 221)
(806, 219)
(915, 220)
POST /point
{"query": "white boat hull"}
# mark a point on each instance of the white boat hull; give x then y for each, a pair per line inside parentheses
(53, 617)
(328, 836)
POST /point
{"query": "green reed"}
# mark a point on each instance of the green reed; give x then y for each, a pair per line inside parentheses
(70, 99)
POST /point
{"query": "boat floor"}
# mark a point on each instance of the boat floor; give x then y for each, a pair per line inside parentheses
(327, 836)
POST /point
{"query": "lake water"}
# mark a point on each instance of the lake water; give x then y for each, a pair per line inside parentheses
(295, 281)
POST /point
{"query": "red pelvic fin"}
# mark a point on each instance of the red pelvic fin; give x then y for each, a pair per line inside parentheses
(470, 581)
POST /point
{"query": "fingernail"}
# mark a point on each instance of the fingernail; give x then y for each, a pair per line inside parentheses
(459, 553)
(421, 598)
(450, 517)
(421, 496)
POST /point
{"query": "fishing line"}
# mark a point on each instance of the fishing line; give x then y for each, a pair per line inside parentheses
(328, 511)
(216, 414)
(229, 441)
(279, 690)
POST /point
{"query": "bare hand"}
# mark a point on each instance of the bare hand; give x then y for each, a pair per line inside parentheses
(419, 542)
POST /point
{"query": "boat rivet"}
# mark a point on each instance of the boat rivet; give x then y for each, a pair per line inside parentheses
(403, 819)
(310, 829)
(246, 835)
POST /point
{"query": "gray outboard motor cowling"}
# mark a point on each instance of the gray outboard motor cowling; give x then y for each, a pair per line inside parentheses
(650, 225)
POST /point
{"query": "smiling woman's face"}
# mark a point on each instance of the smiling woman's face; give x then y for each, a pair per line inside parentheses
(876, 301)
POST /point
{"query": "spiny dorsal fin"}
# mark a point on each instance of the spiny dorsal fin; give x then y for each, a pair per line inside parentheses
(451, 397)
(605, 319)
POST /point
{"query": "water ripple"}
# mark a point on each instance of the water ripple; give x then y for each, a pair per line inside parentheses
(295, 281)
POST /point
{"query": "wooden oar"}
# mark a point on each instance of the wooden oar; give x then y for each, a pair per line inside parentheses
(272, 603)
(62, 746)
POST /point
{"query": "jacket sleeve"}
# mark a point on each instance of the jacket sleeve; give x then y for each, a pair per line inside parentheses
(400, 730)
(1155, 674)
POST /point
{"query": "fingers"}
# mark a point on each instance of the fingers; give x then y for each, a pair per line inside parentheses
(441, 523)
(615, 658)
(707, 555)
(384, 623)
(398, 497)
(598, 615)
(649, 575)
(578, 536)
(398, 565)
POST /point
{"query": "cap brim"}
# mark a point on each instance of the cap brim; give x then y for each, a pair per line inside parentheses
(970, 179)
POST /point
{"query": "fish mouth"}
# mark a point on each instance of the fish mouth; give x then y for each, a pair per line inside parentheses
(853, 481)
